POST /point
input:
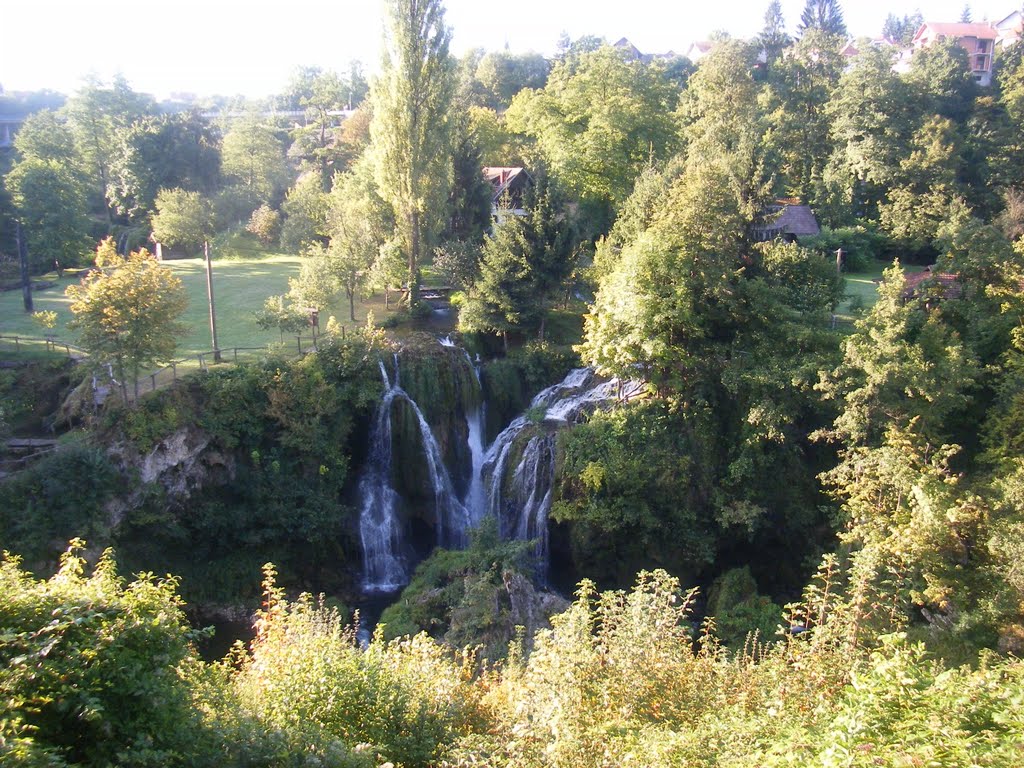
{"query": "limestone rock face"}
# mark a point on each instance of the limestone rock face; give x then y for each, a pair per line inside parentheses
(530, 607)
(182, 463)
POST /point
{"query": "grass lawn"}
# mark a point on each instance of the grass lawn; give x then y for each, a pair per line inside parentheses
(240, 286)
(862, 287)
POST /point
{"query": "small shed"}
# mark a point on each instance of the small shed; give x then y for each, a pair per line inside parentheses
(786, 220)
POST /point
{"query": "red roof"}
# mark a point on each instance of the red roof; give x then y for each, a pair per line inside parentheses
(951, 29)
(943, 285)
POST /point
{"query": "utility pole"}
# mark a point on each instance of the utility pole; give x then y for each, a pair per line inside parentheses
(26, 283)
(209, 294)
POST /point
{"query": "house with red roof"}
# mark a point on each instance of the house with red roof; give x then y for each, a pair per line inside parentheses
(979, 40)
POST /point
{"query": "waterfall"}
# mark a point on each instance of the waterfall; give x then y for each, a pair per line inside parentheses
(476, 427)
(385, 562)
(513, 479)
(382, 532)
(521, 502)
(475, 496)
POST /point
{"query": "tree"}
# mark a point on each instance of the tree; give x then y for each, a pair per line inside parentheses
(872, 117)
(281, 313)
(469, 203)
(96, 113)
(265, 223)
(724, 123)
(318, 93)
(126, 312)
(926, 191)
(941, 74)
(316, 284)
(965, 14)
(553, 238)
(305, 214)
(502, 298)
(359, 227)
(799, 89)
(253, 157)
(902, 30)
(501, 75)
(50, 201)
(499, 146)
(161, 152)
(48, 193)
(182, 219)
(773, 37)
(825, 15)
(412, 125)
(598, 122)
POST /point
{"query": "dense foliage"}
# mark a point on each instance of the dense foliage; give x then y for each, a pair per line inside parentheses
(771, 430)
(97, 672)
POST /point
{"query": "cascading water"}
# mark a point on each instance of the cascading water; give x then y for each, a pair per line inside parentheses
(385, 563)
(381, 530)
(475, 500)
(521, 501)
(518, 495)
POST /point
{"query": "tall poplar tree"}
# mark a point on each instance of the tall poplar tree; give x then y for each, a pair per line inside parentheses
(413, 126)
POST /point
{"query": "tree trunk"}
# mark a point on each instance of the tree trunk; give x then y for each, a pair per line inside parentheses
(504, 339)
(351, 304)
(414, 258)
(543, 322)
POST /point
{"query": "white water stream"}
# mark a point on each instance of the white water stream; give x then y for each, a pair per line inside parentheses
(520, 500)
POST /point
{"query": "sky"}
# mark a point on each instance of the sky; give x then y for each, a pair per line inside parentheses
(250, 47)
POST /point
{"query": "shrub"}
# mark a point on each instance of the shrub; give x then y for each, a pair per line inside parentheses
(59, 497)
(406, 698)
(93, 672)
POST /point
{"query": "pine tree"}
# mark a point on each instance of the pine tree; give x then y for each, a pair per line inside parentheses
(773, 37)
(502, 299)
(825, 15)
(412, 128)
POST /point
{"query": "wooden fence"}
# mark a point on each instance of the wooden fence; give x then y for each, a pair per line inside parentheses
(50, 345)
(162, 377)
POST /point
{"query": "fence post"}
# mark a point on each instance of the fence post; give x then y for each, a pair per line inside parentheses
(67, 349)
(235, 354)
(174, 370)
(152, 379)
(298, 343)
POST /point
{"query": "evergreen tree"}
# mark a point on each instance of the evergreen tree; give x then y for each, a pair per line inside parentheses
(552, 239)
(502, 299)
(825, 15)
(773, 36)
(412, 128)
(902, 30)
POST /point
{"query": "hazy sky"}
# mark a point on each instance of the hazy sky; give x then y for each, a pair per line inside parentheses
(233, 46)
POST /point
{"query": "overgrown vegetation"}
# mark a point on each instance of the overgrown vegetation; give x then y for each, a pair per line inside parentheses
(98, 672)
